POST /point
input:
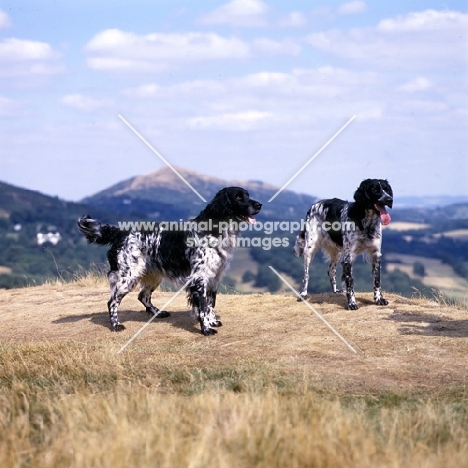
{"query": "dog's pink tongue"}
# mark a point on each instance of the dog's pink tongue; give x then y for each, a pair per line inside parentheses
(251, 220)
(384, 216)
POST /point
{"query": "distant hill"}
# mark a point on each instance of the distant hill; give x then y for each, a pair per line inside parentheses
(162, 195)
(19, 205)
(430, 202)
(30, 223)
(40, 240)
(440, 219)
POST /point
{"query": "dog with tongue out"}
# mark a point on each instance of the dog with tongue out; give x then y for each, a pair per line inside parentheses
(371, 199)
(343, 230)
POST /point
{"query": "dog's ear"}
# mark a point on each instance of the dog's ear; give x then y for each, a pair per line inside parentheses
(225, 197)
(222, 201)
(220, 206)
(360, 195)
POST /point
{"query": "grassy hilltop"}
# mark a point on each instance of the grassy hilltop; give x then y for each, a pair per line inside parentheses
(274, 388)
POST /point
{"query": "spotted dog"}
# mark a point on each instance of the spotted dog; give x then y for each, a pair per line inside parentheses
(199, 254)
(343, 230)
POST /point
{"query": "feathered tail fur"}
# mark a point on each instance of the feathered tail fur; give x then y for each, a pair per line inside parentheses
(97, 233)
(300, 244)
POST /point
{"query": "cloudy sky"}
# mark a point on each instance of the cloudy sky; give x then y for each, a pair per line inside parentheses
(246, 90)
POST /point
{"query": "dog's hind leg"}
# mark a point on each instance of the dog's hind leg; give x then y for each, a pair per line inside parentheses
(333, 253)
(120, 287)
(334, 257)
(311, 246)
(148, 285)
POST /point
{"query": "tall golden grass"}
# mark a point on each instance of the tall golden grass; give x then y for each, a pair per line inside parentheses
(69, 405)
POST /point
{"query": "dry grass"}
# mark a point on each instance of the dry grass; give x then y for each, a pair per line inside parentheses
(64, 405)
(273, 388)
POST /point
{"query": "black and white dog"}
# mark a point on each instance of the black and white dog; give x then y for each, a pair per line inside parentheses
(344, 230)
(199, 254)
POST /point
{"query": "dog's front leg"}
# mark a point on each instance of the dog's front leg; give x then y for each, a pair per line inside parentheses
(378, 298)
(211, 296)
(199, 301)
(348, 281)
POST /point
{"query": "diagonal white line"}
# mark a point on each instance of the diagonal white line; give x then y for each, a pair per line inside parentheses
(312, 158)
(313, 310)
(161, 157)
(154, 316)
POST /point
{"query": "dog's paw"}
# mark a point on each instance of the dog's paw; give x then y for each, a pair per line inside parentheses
(381, 302)
(217, 323)
(157, 313)
(302, 297)
(208, 331)
(352, 306)
(119, 327)
(162, 314)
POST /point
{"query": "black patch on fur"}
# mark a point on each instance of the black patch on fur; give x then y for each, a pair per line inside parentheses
(149, 257)
(365, 213)
(334, 208)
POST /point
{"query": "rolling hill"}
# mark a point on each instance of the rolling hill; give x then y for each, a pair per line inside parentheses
(19, 205)
(162, 195)
(27, 218)
(40, 239)
(30, 222)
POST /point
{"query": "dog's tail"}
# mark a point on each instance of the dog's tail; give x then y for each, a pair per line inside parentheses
(298, 248)
(97, 233)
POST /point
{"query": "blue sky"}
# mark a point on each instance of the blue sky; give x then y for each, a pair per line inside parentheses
(241, 90)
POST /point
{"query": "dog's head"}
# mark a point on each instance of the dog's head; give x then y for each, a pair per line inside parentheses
(375, 194)
(232, 203)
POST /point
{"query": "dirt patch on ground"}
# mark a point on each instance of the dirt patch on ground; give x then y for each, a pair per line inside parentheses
(408, 345)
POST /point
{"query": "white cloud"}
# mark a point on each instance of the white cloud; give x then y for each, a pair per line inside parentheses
(84, 103)
(269, 47)
(244, 13)
(239, 121)
(113, 49)
(352, 8)
(149, 90)
(20, 50)
(296, 19)
(5, 21)
(9, 108)
(320, 84)
(195, 88)
(275, 100)
(370, 113)
(424, 40)
(418, 84)
(28, 58)
(426, 20)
